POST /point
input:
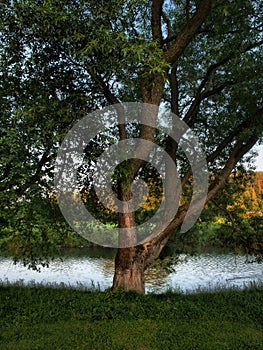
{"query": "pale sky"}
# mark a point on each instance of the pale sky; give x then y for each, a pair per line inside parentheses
(259, 159)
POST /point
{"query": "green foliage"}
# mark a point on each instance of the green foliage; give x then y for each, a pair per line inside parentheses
(63, 59)
(36, 232)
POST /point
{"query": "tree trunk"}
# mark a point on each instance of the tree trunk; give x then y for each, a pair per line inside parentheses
(130, 259)
(131, 263)
(129, 270)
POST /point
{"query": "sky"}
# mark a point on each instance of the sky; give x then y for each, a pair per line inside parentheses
(259, 159)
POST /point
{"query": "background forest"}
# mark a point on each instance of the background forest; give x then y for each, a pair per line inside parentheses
(233, 220)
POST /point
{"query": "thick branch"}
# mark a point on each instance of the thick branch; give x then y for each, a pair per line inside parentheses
(174, 91)
(239, 150)
(147, 132)
(156, 20)
(186, 35)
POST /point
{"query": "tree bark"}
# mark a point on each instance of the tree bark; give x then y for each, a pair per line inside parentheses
(129, 270)
(130, 259)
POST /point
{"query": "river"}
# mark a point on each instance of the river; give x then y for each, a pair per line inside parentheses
(94, 269)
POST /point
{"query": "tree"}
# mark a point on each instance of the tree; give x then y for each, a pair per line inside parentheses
(62, 59)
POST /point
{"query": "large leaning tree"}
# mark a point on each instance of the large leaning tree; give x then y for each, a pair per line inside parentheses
(63, 59)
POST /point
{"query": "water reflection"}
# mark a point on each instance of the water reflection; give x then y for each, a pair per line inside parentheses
(95, 269)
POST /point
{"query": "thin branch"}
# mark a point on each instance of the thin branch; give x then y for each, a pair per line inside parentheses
(169, 39)
(169, 29)
(35, 177)
(207, 80)
(218, 89)
(112, 99)
(238, 130)
(187, 10)
(108, 94)
(227, 212)
(201, 97)
(198, 96)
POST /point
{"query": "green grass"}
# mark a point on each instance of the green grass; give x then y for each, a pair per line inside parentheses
(38, 317)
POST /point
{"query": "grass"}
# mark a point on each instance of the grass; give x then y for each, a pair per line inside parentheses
(39, 317)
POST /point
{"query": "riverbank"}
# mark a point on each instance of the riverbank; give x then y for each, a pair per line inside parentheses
(38, 317)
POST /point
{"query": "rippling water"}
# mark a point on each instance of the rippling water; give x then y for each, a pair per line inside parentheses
(189, 274)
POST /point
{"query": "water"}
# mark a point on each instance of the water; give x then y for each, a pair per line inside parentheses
(94, 269)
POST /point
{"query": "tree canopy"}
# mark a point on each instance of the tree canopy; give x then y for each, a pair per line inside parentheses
(63, 59)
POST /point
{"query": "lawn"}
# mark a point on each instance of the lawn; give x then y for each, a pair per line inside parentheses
(38, 317)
